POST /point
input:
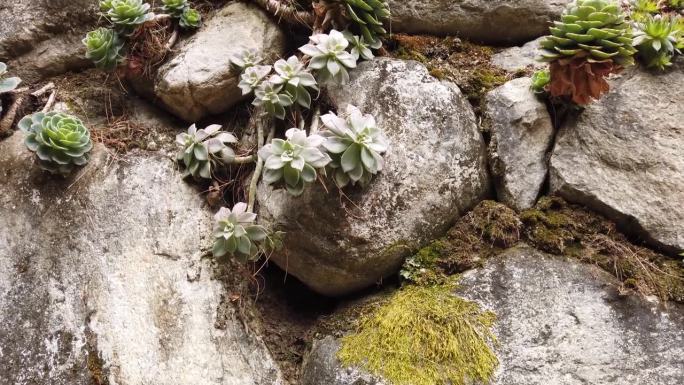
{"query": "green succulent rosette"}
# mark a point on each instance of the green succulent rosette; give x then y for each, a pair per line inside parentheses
(174, 8)
(61, 141)
(104, 47)
(128, 14)
(237, 234)
(190, 18)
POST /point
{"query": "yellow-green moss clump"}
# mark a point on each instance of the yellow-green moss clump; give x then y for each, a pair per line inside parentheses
(424, 335)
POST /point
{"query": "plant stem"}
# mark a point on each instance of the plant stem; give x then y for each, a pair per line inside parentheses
(286, 12)
(244, 159)
(50, 102)
(314, 121)
(260, 162)
(173, 39)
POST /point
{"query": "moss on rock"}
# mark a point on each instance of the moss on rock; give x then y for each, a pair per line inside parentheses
(424, 335)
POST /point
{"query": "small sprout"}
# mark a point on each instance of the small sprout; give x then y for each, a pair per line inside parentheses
(656, 39)
(103, 47)
(540, 80)
(174, 8)
(61, 141)
(355, 144)
(360, 48)
(269, 97)
(252, 77)
(236, 233)
(329, 57)
(190, 19)
(202, 149)
(294, 160)
(7, 84)
(246, 58)
(128, 14)
(296, 79)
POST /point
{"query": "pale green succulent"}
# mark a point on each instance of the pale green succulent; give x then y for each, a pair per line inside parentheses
(190, 18)
(128, 14)
(360, 48)
(355, 144)
(106, 5)
(246, 58)
(329, 57)
(540, 80)
(252, 77)
(272, 99)
(202, 149)
(103, 47)
(294, 160)
(7, 84)
(61, 141)
(237, 234)
(656, 40)
(174, 8)
(296, 79)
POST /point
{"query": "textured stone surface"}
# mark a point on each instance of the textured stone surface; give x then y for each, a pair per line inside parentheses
(519, 58)
(623, 156)
(434, 172)
(488, 21)
(199, 79)
(101, 280)
(561, 322)
(522, 134)
(321, 366)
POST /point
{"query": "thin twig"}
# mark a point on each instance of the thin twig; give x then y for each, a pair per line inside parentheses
(161, 16)
(172, 40)
(40, 92)
(260, 162)
(6, 122)
(50, 101)
(286, 12)
(314, 120)
(244, 159)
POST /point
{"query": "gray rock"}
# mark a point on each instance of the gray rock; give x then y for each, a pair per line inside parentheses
(623, 156)
(94, 282)
(520, 58)
(487, 21)
(321, 366)
(562, 322)
(435, 171)
(522, 134)
(199, 79)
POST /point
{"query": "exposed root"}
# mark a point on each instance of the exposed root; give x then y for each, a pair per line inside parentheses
(286, 11)
(8, 119)
(50, 102)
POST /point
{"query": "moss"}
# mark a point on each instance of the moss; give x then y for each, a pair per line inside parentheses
(424, 335)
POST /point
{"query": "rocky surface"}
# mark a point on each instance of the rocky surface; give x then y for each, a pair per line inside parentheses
(434, 172)
(623, 156)
(520, 58)
(321, 366)
(43, 38)
(521, 135)
(199, 80)
(562, 322)
(102, 281)
(488, 21)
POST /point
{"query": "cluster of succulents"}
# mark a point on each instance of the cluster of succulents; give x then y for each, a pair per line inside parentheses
(591, 41)
(656, 39)
(202, 149)
(7, 84)
(297, 81)
(364, 17)
(355, 144)
(187, 16)
(329, 57)
(104, 47)
(294, 160)
(60, 141)
(237, 234)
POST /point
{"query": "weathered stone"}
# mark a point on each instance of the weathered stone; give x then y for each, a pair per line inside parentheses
(322, 367)
(520, 58)
(522, 134)
(94, 282)
(563, 322)
(199, 80)
(623, 156)
(487, 21)
(435, 171)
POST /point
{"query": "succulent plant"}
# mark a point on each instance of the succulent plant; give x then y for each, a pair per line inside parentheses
(236, 233)
(270, 97)
(128, 14)
(329, 57)
(190, 18)
(252, 77)
(202, 149)
(7, 84)
(106, 5)
(540, 80)
(246, 58)
(360, 48)
(103, 47)
(591, 41)
(294, 160)
(174, 8)
(656, 40)
(61, 141)
(296, 79)
(355, 144)
(363, 17)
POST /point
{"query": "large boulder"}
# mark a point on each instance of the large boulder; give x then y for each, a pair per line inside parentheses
(322, 366)
(520, 58)
(563, 322)
(102, 280)
(487, 21)
(435, 171)
(521, 135)
(199, 79)
(623, 156)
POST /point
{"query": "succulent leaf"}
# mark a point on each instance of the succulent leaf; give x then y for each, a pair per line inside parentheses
(237, 234)
(202, 149)
(329, 57)
(126, 15)
(103, 47)
(174, 8)
(190, 18)
(656, 39)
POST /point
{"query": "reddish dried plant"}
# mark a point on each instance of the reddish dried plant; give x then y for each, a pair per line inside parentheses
(580, 80)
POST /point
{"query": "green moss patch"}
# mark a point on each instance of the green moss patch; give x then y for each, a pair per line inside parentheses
(424, 335)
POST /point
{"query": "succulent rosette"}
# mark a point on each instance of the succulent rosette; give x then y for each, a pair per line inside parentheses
(128, 14)
(103, 47)
(201, 150)
(237, 234)
(296, 79)
(329, 57)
